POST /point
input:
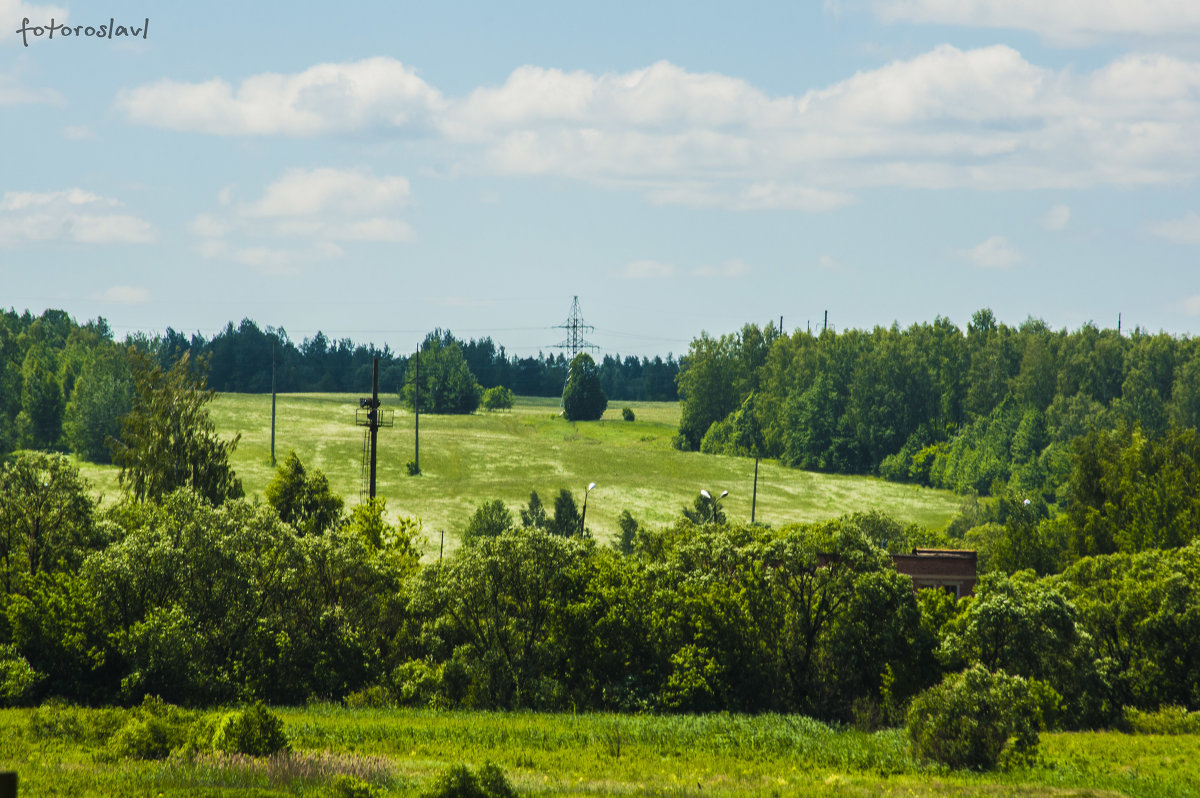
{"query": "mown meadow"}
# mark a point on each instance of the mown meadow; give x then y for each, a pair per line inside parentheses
(63, 751)
(467, 460)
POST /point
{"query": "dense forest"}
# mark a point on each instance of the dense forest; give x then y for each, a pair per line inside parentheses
(64, 385)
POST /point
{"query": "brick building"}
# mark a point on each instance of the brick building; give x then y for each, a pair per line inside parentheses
(952, 570)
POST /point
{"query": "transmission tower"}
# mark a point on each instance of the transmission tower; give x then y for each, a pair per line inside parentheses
(575, 342)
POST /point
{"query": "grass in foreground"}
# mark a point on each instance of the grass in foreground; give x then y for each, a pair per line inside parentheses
(466, 460)
(401, 751)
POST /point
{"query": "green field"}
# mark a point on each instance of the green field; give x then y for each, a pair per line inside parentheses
(401, 751)
(466, 460)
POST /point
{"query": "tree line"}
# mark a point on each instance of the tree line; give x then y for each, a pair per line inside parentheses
(206, 602)
(64, 385)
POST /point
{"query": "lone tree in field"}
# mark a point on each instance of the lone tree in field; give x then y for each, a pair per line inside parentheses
(446, 382)
(168, 441)
(583, 398)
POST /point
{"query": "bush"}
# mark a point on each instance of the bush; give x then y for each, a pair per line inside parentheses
(583, 396)
(975, 719)
(627, 414)
(498, 398)
(374, 697)
(1165, 720)
(413, 469)
(254, 731)
(155, 729)
(459, 782)
(347, 786)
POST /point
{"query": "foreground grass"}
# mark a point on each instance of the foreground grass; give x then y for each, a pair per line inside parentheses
(466, 460)
(401, 751)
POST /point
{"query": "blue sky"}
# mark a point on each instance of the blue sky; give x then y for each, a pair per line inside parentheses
(381, 169)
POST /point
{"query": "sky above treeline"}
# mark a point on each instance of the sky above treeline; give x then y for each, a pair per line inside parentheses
(378, 169)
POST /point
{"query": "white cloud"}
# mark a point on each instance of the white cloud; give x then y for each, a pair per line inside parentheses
(70, 215)
(124, 295)
(1057, 217)
(326, 98)
(829, 263)
(15, 11)
(648, 270)
(1185, 230)
(983, 118)
(315, 192)
(993, 253)
(1191, 305)
(319, 207)
(1071, 22)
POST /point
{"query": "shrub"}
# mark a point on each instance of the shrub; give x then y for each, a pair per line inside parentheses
(18, 679)
(498, 398)
(459, 781)
(254, 731)
(627, 413)
(373, 697)
(413, 469)
(347, 786)
(975, 719)
(155, 729)
(1164, 720)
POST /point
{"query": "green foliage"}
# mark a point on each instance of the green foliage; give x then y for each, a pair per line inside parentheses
(498, 398)
(47, 519)
(344, 785)
(18, 679)
(102, 395)
(39, 424)
(168, 441)
(629, 529)
(1172, 719)
(627, 414)
(412, 469)
(975, 719)
(254, 731)
(491, 519)
(583, 397)
(303, 499)
(459, 781)
(153, 731)
(446, 382)
(373, 697)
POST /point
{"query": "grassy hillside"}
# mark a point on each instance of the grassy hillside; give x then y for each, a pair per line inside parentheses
(466, 460)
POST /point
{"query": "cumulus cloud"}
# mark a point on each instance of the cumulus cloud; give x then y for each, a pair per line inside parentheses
(1057, 217)
(983, 118)
(326, 98)
(70, 215)
(730, 268)
(1191, 305)
(123, 295)
(322, 206)
(993, 253)
(1185, 230)
(1070, 22)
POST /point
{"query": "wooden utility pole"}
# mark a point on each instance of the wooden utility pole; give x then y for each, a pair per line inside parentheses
(272, 403)
(417, 411)
(373, 418)
(754, 498)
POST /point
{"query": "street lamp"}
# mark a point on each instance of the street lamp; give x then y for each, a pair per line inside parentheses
(583, 515)
(713, 502)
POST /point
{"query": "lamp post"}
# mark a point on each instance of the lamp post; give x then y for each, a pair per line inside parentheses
(712, 503)
(583, 515)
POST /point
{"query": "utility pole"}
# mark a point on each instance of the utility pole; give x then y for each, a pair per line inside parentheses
(754, 498)
(417, 412)
(826, 327)
(372, 419)
(272, 403)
